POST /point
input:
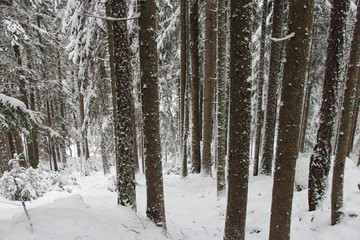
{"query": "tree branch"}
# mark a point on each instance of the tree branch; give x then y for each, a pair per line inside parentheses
(110, 18)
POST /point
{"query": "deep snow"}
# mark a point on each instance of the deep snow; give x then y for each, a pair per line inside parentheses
(192, 211)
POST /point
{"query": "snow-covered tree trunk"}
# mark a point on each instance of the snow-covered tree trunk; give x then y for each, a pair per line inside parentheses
(320, 159)
(240, 117)
(125, 172)
(221, 106)
(297, 48)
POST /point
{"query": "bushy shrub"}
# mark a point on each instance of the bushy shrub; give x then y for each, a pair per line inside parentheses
(28, 184)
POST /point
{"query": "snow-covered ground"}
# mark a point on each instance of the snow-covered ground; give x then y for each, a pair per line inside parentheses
(192, 211)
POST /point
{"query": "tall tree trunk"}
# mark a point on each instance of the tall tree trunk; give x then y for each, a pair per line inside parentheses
(260, 83)
(33, 149)
(345, 123)
(155, 209)
(195, 88)
(271, 96)
(110, 37)
(306, 104)
(320, 159)
(209, 81)
(240, 117)
(183, 75)
(125, 171)
(221, 86)
(23, 97)
(297, 48)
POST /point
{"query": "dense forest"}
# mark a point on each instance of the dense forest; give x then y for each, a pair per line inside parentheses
(158, 93)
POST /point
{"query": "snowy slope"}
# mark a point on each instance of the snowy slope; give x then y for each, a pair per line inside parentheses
(192, 211)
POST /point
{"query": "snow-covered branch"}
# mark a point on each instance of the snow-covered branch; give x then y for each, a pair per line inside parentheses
(110, 18)
(284, 38)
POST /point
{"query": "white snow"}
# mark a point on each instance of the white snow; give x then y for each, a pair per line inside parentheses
(192, 211)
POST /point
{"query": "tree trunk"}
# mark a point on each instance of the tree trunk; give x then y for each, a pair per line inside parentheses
(345, 122)
(125, 171)
(221, 86)
(240, 117)
(110, 38)
(354, 118)
(104, 156)
(320, 159)
(183, 74)
(209, 80)
(271, 97)
(195, 88)
(155, 209)
(297, 48)
(306, 103)
(260, 83)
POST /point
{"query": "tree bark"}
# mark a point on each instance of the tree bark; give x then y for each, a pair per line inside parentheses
(345, 122)
(354, 118)
(195, 88)
(320, 159)
(155, 209)
(110, 37)
(297, 48)
(125, 171)
(260, 83)
(221, 90)
(306, 103)
(183, 74)
(271, 99)
(240, 117)
(209, 80)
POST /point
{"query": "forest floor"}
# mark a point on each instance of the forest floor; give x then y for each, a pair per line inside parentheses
(192, 211)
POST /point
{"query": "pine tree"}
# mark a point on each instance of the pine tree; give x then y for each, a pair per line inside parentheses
(299, 25)
(240, 117)
(320, 159)
(155, 209)
(346, 115)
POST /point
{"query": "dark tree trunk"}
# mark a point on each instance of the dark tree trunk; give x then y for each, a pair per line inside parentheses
(345, 123)
(354, 118)
(260, 83)
(320, 159)
(221, 91)
(297, 47)
(183, 74)
(195, 88)
(155, 209)
(271, 99)
(209, 81)
(240, 117)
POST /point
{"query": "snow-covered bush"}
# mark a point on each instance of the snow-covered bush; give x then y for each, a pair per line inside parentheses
(28, 184)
